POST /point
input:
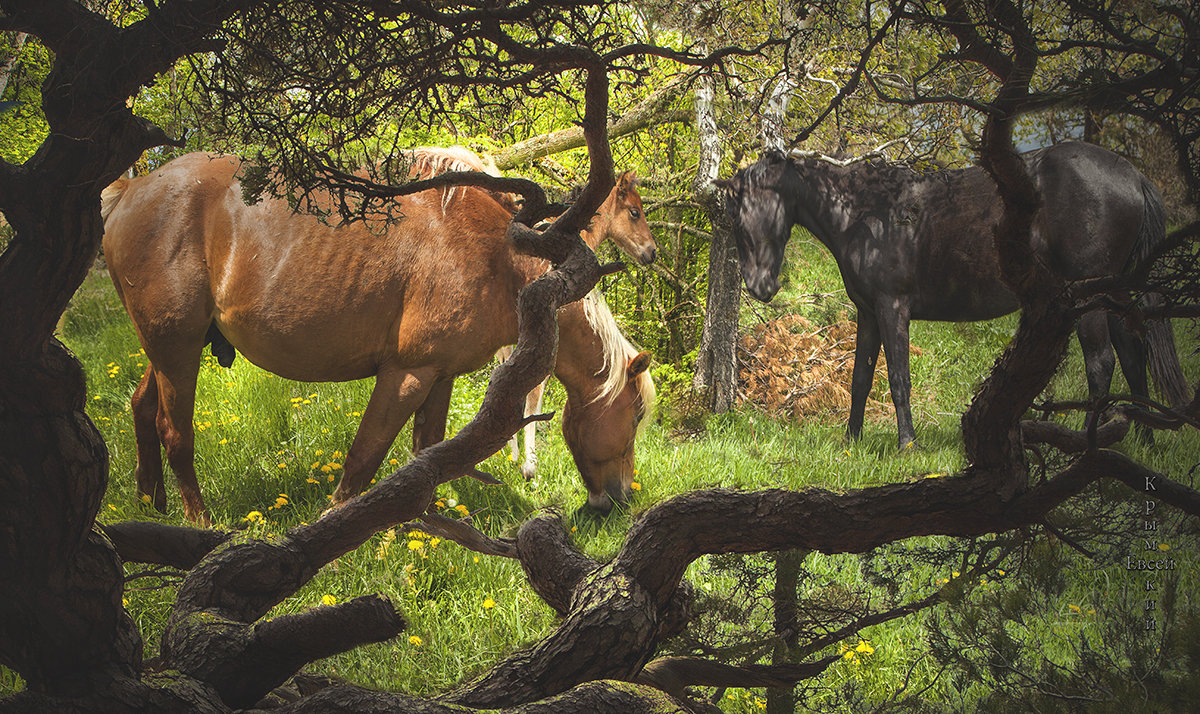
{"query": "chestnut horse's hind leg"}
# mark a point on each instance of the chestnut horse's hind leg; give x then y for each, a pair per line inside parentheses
(176, 376)
(397, 394)
(149, 469)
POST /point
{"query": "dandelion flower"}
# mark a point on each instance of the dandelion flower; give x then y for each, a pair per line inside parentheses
(254, 517)
(635, 486)
(414, 640)
(328, 600)
(463, 509)
(1075, 609)
(488, 604)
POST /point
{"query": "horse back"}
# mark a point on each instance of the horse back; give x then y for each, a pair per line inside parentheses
(306, 299)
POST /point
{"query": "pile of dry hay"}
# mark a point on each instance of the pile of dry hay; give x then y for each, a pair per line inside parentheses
(796, 370)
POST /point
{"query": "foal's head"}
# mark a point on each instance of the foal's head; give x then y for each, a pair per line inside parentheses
(758, 206)
(621, 217)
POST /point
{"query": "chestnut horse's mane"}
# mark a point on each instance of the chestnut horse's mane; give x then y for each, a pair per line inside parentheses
(430, 161)
(617, 353)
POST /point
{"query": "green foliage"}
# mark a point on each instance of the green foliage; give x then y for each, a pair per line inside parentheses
(23, 127)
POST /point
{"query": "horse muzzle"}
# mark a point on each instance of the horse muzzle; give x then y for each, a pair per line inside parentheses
(762, 287)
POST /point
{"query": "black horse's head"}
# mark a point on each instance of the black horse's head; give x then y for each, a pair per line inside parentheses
(756, 204)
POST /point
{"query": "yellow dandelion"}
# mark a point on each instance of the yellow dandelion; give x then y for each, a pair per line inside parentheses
(463, 509)
(223, 441)
(254, 517)
(333, 465)
(414, 640)
(477, 559)
(328, 600)
(488, 604)
(393, 462)
(1075, 609)
(296, 400)
(310, 479)
(112, 507)
(416, 544)
(635, 486)
(864, 647)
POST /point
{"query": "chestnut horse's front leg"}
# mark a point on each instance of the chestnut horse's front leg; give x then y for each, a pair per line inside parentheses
(429, 422)
(397, 394)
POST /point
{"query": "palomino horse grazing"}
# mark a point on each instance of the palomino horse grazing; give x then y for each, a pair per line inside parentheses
(620, 218)
(430, 297)
(918, 246)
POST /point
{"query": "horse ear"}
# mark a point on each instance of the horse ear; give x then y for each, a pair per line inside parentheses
(637, 364)
(625, 183)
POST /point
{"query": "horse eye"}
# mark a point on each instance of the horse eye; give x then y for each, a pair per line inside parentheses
(634, 213)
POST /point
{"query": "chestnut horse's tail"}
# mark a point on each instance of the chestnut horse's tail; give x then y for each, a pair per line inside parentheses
(1160, 338)
(110, 196)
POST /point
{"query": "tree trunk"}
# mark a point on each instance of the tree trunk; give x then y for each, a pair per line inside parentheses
(8, 63)
(716, 360)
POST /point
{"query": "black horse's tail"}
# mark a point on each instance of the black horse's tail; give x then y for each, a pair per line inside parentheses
(1160, 338)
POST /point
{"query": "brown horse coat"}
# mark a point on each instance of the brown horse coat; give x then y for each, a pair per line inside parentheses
(430, 297)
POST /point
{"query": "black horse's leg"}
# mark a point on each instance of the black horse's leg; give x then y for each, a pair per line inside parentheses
(866, 354)
(1131, 353)
(894, 331)
(1098, 359)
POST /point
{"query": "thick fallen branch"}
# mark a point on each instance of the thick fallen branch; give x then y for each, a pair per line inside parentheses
(149, 542)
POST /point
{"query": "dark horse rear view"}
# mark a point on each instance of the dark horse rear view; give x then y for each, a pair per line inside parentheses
(918, 246)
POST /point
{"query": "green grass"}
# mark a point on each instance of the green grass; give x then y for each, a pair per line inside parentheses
(275, 447)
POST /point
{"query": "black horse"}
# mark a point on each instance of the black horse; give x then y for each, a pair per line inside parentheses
(919, 246)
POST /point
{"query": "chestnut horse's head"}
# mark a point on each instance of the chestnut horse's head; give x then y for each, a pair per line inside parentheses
(621, 218)
(601, 430)
(759, 211)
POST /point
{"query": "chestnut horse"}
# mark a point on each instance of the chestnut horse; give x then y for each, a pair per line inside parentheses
(620, 218)
(431, 297)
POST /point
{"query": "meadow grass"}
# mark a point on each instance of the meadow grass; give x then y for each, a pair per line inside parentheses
(270, 451)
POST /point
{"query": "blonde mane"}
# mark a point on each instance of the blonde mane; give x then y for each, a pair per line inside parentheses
(617, 353)
(430, 161)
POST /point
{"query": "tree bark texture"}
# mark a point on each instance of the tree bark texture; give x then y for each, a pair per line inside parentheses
(716, 358)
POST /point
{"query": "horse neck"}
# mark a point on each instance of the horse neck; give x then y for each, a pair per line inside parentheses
(824, 203)
(600, 229)
(592, 352)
